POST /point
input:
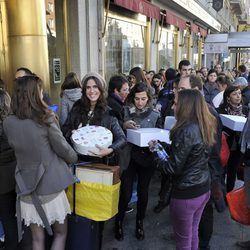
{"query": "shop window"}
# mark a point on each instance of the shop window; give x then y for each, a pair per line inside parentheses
(184, 44)
(124, 47)
(166, 50)
(194, 54)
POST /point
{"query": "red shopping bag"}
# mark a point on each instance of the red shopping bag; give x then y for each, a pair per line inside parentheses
(237, 204)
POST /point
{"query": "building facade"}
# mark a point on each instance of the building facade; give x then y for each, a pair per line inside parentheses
(53, 38)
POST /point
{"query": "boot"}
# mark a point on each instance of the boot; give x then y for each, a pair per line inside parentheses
(139, 232)
(119, 230)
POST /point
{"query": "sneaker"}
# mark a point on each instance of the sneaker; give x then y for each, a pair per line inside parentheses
(160, 206)
(129, 210)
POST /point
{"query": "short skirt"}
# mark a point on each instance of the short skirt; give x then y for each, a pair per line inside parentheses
(56, 209)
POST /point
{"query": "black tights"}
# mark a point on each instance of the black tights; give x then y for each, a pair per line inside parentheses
(144, 175)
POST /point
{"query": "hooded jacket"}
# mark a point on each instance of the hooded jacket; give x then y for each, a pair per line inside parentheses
(70, 96)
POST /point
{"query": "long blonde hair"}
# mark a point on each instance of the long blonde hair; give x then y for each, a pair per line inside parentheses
(191, 107)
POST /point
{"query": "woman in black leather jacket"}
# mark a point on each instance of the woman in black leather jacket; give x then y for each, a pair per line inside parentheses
(192, 136)
(92, 109)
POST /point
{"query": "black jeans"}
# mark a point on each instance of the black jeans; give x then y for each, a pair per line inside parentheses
(232, 165)
(206, 225)
(144, 175)
(8, 218)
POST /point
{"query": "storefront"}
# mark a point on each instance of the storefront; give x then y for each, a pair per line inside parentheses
(124, 44)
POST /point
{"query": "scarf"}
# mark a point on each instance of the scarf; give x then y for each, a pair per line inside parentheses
(234, 110)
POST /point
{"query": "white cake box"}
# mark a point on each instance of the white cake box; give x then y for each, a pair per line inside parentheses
(85, 139)
(169, 122)
(95, 175)
(142, 136)
(233, 122)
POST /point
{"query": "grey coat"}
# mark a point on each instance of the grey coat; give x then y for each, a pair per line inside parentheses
(41, 154)
(40, 147)
(70, 96)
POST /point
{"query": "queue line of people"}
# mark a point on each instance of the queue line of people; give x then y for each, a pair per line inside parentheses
(91, 109)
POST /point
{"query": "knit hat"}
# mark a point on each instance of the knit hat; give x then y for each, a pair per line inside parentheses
(96, 75)
(240, 81)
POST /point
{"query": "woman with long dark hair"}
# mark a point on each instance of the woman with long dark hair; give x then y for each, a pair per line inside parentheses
(192, 136)
(232, 105)
(41, 171)
(138, 113)
(92, 109)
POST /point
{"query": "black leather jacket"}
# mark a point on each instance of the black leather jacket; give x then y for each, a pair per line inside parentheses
(107, 120)
(188, 163)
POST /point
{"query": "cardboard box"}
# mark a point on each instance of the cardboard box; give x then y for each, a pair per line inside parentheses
(233, 122)
(142, 136)
(98, 173)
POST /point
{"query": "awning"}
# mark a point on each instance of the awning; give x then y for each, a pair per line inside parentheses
(203, 32)
(175, 20)
(195, 28)
(140, 6)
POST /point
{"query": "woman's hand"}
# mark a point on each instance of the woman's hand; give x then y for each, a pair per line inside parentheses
(152, 144)
(130, 124)
(102, 151)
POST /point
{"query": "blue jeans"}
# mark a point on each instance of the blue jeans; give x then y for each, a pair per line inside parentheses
(186, 215)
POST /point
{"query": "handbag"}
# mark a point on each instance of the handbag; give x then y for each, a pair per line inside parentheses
(237, 204)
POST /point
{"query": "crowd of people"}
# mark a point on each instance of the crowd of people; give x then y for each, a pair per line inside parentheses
(36, 148)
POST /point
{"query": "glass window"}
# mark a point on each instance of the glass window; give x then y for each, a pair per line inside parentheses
(166, 50)
(194, 54)
(124, 47)
(184, 44)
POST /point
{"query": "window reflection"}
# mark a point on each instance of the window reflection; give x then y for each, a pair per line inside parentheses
(166, 50)
(195, 51)
(124, 47)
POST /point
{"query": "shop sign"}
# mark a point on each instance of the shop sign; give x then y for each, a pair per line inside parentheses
(57, 70)
(210, 48)
(197, 10)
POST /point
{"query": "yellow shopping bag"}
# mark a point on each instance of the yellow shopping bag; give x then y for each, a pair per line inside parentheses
(95, 201)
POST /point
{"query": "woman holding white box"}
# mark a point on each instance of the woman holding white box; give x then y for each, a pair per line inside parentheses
(232, 105)
(92, 109)
(138, 114)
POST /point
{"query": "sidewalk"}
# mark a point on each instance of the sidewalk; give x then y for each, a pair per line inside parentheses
(159, 233)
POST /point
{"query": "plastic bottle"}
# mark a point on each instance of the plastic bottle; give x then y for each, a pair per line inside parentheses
(160, 152)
